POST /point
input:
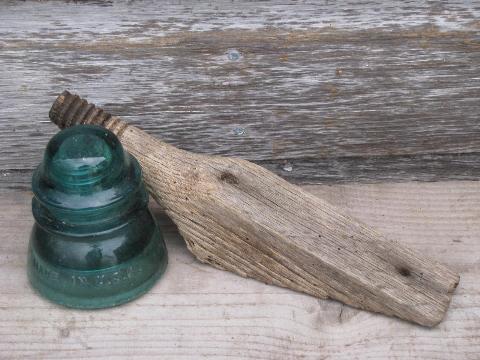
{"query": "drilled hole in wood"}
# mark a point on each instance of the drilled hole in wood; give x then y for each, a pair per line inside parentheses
(229, 178)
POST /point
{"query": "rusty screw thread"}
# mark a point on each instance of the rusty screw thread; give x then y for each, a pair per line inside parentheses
(69, 110)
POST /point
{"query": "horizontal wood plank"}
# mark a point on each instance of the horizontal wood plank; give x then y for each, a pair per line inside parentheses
(324, 89)
(197, 311)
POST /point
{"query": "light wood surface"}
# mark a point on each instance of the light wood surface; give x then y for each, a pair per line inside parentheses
(197, 311)
(318, 92)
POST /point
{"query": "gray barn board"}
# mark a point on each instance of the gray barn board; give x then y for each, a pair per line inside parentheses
(373, 106)
(318, 92)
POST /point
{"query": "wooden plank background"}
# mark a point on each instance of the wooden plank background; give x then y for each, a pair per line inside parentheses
(318, 92)
(197, 311)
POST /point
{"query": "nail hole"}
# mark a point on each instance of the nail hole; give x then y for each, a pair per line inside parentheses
(404, 271)
(233, 55)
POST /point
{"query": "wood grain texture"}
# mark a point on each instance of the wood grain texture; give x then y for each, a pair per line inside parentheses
(240, 217)
(196, 311)
(318, 92)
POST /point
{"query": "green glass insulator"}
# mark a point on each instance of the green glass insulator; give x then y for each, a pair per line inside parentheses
(94, 243)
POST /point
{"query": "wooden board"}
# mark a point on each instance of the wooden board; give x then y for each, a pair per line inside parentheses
(318, 92)
(197, 311)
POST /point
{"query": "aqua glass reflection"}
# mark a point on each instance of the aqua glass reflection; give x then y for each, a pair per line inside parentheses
(94, 243)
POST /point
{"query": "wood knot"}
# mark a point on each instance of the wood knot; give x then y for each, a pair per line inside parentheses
(64, 332)
(229, 178)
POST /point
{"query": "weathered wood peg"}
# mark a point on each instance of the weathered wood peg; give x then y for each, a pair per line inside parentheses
(240, 217)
